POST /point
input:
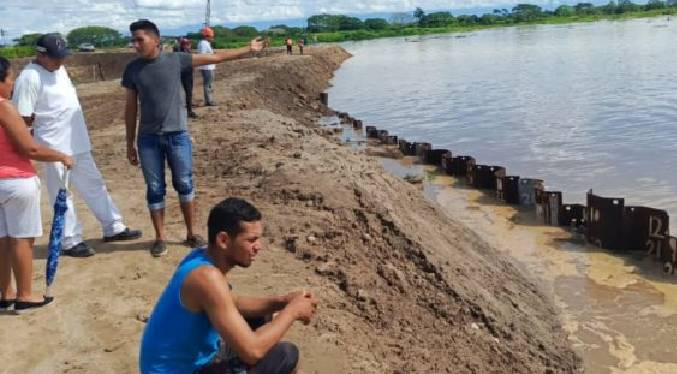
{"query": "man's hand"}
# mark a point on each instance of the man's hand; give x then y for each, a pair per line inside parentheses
(132, 155)
(68, 162)
(304, 306)
(290, 296)
(256, 45)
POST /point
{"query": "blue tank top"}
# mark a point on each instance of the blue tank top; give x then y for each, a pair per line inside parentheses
(175, 339)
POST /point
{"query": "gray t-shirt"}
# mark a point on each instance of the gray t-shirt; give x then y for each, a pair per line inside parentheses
(161, 97)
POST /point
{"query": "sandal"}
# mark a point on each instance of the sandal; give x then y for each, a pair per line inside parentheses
(158, 249)
(194, 241)
(22, 307)
(7, 304)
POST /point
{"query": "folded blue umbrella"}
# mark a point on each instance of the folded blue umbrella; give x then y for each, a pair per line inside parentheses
(58, 224)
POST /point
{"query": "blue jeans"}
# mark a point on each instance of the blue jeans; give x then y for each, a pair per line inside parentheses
(177, 149)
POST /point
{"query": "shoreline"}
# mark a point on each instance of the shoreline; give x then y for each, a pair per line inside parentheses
(604, 297)
(404, 286)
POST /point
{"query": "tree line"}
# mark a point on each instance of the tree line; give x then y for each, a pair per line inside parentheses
(328, 27)
(520, 13)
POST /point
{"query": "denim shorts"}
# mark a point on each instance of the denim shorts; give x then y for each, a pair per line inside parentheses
(177, 150)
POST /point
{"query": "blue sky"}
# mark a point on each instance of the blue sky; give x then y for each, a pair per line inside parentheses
(19, 17)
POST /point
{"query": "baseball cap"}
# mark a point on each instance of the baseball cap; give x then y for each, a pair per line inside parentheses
(53, 45)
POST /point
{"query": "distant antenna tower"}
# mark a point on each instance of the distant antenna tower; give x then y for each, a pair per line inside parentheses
(208, 13)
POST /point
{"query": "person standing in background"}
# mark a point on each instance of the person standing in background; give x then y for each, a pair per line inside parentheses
(187, 78)
(301, 44)
(289, 42)
(205, 47)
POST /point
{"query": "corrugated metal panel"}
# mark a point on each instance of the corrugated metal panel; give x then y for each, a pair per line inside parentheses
(484, 176)
(422, 148)
(459, 165)
(604, 218)
(644, 228)
(507, 189)
(446, 163)
(527, 190)
(434, 156)
(571, 214)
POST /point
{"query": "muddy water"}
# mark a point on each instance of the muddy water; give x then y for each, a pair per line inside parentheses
(620, 311)
(589, 105)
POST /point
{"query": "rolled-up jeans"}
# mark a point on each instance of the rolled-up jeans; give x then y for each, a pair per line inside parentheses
(177, 150)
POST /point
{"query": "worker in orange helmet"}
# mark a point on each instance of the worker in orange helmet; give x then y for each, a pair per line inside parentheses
(207, 71)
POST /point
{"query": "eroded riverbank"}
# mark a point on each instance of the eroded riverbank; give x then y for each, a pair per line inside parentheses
(620, 311)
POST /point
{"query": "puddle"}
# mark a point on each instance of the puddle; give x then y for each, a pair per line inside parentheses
(355, 138)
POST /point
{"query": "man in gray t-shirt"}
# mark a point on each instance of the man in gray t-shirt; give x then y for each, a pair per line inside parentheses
(153, 81)
(160, 94)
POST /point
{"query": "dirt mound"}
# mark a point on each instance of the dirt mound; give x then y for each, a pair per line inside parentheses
(430, 294)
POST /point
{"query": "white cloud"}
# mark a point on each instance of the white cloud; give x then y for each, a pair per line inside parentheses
(23, 16)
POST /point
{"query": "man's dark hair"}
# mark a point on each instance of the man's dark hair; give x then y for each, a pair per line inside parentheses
(4, 68)
(227, 215)
(145, 25)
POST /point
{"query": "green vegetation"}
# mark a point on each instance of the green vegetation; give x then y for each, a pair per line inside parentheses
(100, 37)
(17, 52)
(339, 28)
(332, 28)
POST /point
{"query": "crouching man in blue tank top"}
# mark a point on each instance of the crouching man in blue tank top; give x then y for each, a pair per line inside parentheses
(198, 313)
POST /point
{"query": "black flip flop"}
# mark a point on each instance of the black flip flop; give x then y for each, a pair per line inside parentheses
(22, 307)
(7, 303)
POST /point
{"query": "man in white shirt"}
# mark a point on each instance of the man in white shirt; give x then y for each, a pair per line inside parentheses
(205, 47)
(45, 96)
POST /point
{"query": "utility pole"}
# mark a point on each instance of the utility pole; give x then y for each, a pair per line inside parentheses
(3, 33)
(207, 13)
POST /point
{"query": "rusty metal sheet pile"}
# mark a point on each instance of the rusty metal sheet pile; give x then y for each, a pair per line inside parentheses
(507, 189)
(391, 139)
(548, 204)
(422, 148)
(434, 156)
(371, 131)
(604, 220)
(527, 190)
(571, 215)
(446, 163)
(484, 176)
(459, 165)
(644, 228)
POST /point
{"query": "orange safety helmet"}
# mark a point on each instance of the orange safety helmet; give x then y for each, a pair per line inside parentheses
(207, 32)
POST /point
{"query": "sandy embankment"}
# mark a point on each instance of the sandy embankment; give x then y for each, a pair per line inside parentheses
(404, 287)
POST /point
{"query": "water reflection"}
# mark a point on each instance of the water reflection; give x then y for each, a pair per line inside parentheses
(581, 106)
